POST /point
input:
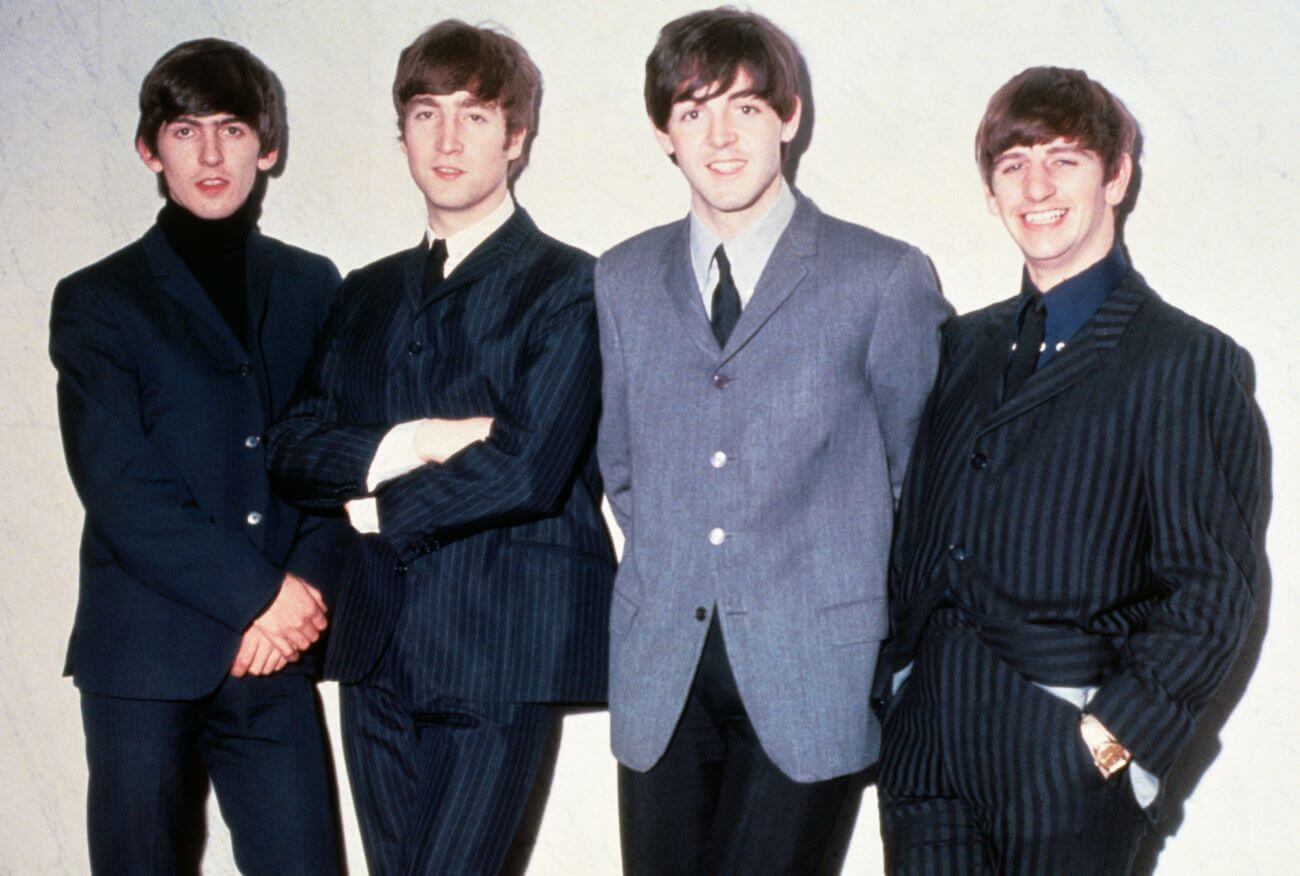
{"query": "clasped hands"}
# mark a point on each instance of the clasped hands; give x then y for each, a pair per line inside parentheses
(279, 635)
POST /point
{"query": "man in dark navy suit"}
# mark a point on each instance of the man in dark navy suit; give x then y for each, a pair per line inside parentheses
(198, 587)
(453, 413)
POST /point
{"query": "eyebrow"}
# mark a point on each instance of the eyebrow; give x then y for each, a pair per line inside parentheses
(432, 100)
(193, 121)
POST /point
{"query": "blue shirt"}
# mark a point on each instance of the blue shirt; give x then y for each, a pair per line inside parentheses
(1072, 303)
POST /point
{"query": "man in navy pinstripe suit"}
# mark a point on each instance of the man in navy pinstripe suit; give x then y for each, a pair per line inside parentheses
(1073, 567)
(452, 412)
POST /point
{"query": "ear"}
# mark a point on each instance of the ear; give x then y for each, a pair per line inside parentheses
(515, 144)
(267, 161)
(1117, 186)
(790, 126)
(150, 160)
(665, 142)
(991, 200)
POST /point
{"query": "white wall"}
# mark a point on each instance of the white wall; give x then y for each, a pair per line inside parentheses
(898, 89)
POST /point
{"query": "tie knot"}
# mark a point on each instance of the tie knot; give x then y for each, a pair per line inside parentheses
(1038, 303)
(724, 264)
(433, 266)
(438, 253)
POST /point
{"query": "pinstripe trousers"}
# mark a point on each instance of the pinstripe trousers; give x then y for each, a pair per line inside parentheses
(438, 791)
(984, 772)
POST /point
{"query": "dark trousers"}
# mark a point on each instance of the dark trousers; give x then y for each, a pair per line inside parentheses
(984, 772)
(260, 740)
(439, 791)
(715, 803)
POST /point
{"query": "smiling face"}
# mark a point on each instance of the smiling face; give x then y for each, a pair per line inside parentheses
(1057, 204)
(728, 146)
(459, 155)
(209, 162)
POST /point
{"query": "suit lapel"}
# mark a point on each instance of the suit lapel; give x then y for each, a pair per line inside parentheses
(1080, 357)
(684, 292)
(498, 249)
(264, 295)
(177, 281)
(785, 270)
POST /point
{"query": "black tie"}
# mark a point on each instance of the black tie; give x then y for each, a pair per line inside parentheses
(726, 300)
(1025, 355)
(433, 267)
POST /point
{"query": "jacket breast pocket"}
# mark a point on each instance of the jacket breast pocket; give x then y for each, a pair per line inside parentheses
(850, 623)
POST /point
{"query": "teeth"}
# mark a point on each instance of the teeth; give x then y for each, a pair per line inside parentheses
(730, 166)
(1044, 218)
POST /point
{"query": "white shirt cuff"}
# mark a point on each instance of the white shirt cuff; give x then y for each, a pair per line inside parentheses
(395, 455)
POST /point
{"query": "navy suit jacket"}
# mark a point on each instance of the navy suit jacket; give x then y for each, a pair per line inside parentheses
(497, 562)
(163, 413)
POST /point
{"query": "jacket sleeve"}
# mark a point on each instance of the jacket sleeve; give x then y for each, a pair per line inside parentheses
(1202, 484)
(904, 355)
(317, 459)
(540, 430)
(135, 499)
(612, 443)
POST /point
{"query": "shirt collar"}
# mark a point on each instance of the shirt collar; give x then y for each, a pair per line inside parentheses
(465, 241)
(1072, 302)
(748, 251)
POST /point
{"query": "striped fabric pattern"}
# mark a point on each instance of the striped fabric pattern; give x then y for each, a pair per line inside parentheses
(1114, 496)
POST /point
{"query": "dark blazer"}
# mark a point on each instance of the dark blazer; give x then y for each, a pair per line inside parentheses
(499, 557)
(1097, 528)
(163, 413)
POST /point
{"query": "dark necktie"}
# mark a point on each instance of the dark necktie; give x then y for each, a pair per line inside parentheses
(1025, 355)
(726, 300)
(433, 267)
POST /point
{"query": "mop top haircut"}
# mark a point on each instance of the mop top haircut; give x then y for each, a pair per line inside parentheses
(1042, 104)
(207, 76)
(706, 50)
(454, 56)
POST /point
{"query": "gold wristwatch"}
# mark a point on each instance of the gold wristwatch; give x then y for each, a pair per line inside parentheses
(1107, 753)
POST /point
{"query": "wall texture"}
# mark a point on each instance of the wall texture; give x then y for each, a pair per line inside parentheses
(897, 91)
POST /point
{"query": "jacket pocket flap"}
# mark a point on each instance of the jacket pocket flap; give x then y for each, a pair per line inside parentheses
(848, 623)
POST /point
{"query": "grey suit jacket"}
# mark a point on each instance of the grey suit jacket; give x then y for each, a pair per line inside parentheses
(814, 402)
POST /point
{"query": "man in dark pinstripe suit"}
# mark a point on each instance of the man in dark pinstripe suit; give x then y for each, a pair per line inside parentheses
(1074, 562)
(452, 411)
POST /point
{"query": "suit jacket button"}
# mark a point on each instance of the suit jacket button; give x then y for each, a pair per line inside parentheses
(957, 552)
(721, 381)
(245, 369)
(253, 518)
(717, 536)
(978, 461)
(400, 568)
(701, 613)
(252, 441)
(718, 459)
(414, 347)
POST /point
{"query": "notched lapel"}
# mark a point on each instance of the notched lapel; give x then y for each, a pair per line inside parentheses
(1081, 357)
(497, 250)
(177, 281)
(684, 292)
(786, 268)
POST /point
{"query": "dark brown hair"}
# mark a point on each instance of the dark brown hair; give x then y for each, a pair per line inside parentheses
(1041, 104)
(707, 49)
(206, 76)
(454, 56)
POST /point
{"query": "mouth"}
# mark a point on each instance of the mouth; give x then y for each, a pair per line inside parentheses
(447, 173)
(212, 185)
(1045, 217)
(726, 166)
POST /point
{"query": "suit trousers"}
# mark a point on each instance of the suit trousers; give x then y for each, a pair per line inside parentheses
(715, 803)
(439, 790)
(983, 771)
(259, 738)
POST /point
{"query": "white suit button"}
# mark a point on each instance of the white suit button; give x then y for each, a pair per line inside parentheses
(718, 459)
(253, 518)
(717, 536)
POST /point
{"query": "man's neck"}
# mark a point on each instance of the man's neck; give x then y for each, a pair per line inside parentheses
(726, 224)
(446, 223)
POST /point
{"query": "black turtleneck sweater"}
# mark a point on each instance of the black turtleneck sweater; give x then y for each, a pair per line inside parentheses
(215, 252)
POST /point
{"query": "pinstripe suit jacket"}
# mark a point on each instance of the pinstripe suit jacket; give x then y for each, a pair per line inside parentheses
(1107, 508)
(814, 402)
(497, 561)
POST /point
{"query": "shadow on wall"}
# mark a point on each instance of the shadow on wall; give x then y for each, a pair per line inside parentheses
(1204, 747)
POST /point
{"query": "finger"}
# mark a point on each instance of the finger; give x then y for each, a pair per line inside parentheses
(264, 657)
(244, 657)
(279, 642)
(299, 639)
(316, 595)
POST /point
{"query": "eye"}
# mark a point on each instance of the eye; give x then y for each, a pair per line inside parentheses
(749, 109)
(183, 131)
(1066, 162)
(1010, 167)
(477, 117)
(422, 115)
(690, 115)
(234, 131)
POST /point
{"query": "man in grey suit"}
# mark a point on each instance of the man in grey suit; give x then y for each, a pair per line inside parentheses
(764, 370)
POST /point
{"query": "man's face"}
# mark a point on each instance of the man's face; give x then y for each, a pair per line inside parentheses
(729, 148)
(459, 156)
(1058, 206)
(210, 163)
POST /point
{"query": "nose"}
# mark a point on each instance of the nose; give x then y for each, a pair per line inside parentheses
(720, 130)
(210, 149)
(449, 137)
(1038, 183)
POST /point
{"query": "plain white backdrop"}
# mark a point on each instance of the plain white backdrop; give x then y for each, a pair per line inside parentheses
(897, 90)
